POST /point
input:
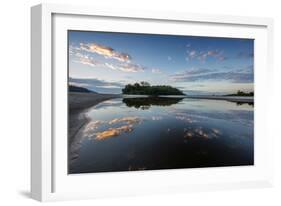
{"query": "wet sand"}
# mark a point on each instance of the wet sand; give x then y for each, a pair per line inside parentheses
(78, 101)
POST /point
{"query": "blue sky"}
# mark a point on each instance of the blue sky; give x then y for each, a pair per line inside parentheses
(104, 62)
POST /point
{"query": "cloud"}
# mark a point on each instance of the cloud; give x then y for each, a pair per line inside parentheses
(192, 54)
(125, 67)
(245, 55)
(247, 69)
(73, 50)
(235, 76)
(194, 71)
(156, 71)
(222, 58)
(86, 60)
(111, 66)
(79, 84)
(204, 55)
(105, 51)
(123, 64)
(169, 58)
(131, 67)
(83, 58)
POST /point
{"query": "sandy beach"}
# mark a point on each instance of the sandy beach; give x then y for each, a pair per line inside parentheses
(78, 101)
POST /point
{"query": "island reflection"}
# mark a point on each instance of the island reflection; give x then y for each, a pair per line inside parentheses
(147, 102)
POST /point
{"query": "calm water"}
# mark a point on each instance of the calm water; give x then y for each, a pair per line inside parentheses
(163, 133)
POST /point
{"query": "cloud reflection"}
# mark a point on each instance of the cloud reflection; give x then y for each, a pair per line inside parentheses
(113, 132)
(91, 130)
(186, 119)
(156, 118)
(198, 132)
(91, 127)
(128, 120)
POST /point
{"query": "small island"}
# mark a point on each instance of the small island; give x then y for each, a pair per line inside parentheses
(144, 88)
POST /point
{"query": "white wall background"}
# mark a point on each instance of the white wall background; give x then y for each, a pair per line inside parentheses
(15, 108)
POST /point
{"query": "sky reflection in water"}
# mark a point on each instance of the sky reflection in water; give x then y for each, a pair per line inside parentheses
(163, 133)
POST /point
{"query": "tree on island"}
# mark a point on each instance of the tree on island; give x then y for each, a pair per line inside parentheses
(144, 88)
(241, 93)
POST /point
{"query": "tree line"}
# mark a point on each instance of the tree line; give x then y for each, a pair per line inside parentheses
(241, 93)
(144, 88)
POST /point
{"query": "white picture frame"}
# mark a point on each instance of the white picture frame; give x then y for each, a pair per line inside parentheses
(48, 178)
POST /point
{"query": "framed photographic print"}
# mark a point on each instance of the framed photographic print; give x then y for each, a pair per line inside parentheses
(137, 102)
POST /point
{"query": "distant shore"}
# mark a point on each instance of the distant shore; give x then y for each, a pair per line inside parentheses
(241, 99)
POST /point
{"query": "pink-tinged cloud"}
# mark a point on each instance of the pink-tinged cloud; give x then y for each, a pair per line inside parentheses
(123, 60)
(90, 61)
(105, 51)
